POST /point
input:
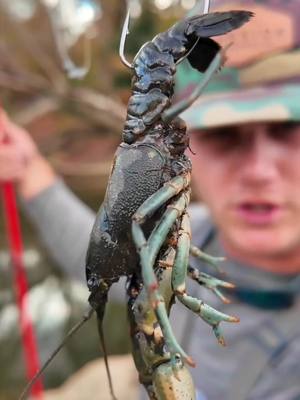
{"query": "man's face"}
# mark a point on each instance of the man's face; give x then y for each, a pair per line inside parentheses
(249, 176)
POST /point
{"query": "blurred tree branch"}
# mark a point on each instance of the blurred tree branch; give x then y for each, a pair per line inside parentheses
(28, 66)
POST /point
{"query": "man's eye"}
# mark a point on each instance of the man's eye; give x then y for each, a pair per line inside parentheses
(221, 138)
(283, 131)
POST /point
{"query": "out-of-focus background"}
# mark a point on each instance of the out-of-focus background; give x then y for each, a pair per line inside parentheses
(76, 120)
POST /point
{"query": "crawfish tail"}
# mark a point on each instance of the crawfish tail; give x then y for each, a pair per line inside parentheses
(204, 26)
(217, 23)
(155, 65)
(181, 37)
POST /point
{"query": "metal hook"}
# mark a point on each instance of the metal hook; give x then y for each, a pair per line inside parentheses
(124, 34)
(77, 72)
(206, 6)
(188, 53)
(73, 71)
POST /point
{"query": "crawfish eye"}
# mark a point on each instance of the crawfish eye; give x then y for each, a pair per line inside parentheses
(284, 131)
(128, 137)
(92, 282)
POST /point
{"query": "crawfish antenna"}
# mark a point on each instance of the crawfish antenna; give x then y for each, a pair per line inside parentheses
(124, 34)
(86, 316)
(171, 113)
(101, 335)
(215, 65)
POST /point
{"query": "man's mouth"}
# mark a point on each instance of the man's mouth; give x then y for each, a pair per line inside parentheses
(258, 213)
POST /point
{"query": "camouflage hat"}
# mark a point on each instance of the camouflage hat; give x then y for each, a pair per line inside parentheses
(261, 78)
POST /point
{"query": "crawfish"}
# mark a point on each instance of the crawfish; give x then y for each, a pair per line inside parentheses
(142, 230)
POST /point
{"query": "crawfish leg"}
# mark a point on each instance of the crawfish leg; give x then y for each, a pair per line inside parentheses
(207, 313)
(157, 238)
(210, 282)
(207, 258)
(148, 253)
(151, 357)
(155, 242)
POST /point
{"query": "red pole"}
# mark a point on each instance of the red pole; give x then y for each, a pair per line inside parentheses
(14, 236)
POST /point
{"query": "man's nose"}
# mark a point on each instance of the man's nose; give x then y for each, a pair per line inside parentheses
(259, 162)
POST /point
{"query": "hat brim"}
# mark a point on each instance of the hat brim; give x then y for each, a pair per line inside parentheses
(264, 104)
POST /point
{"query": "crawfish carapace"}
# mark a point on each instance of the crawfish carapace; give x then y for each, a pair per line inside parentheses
(142, 229)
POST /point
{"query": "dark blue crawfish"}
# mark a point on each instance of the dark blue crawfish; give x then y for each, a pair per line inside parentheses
(150, 185)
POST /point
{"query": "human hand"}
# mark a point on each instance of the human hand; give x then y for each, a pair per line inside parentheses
(17, 149)
(21, 162)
